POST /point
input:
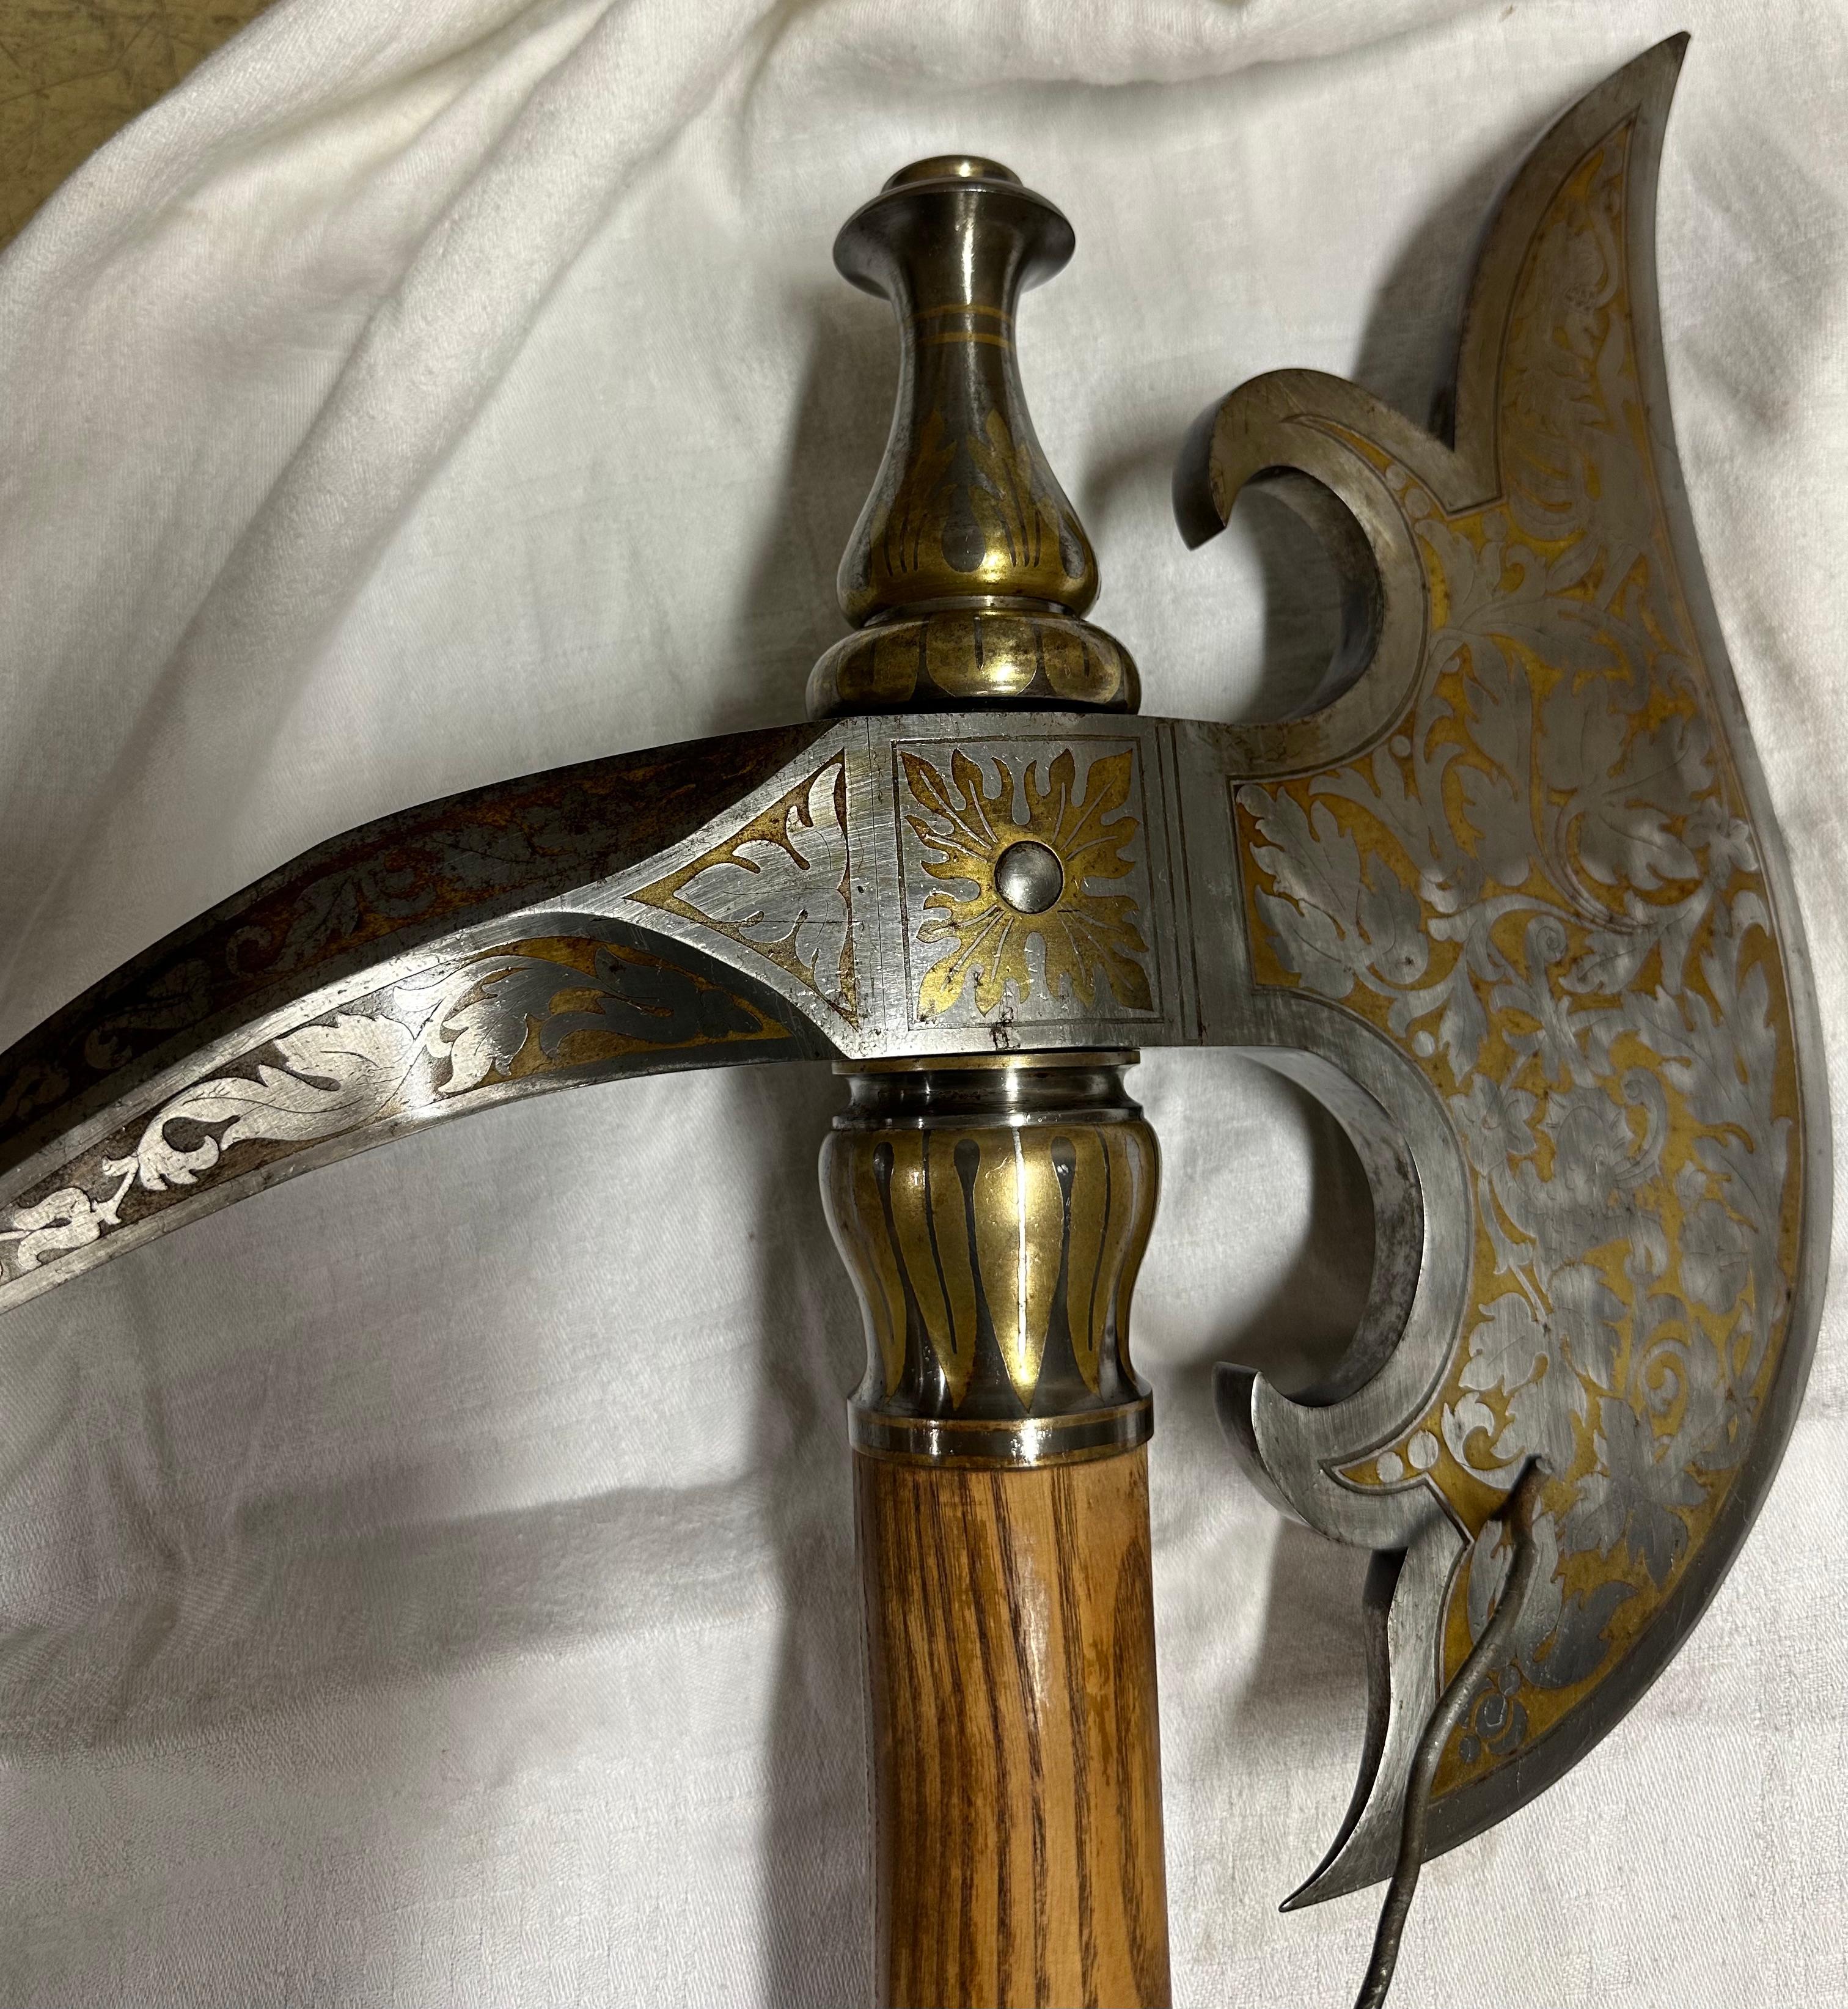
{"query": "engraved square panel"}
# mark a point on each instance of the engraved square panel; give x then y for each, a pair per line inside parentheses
(1024, 880)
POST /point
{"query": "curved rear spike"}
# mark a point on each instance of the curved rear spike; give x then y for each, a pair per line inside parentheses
(437, 961)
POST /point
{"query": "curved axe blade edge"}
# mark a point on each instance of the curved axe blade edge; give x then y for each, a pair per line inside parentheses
(1521, 878)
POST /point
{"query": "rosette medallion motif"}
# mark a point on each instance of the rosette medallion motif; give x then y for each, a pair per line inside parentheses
(1027, 863)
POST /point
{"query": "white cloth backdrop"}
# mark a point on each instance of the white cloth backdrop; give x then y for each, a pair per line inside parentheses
(431, 1583)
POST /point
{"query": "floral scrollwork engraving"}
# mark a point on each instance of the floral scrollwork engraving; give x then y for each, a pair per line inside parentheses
(1545, 888)
(540, 1006)
(781, 887)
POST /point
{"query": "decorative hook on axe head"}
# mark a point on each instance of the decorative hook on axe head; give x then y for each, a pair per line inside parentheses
(1508, 898)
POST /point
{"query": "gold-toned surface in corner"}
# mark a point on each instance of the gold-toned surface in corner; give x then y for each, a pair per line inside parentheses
(72, 75)
(781, 887)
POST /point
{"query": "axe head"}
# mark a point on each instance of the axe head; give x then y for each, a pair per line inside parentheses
(1509, 897)
(1521, 859)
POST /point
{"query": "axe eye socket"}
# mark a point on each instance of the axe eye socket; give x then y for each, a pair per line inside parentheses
(1028, 876)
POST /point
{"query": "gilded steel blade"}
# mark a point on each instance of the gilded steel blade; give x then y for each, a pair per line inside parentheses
(1521, 878)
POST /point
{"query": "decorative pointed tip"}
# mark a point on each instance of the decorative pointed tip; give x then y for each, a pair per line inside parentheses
(1669, 52)
(1317, 1888)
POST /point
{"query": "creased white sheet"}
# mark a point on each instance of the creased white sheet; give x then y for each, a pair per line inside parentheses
(431, 1582)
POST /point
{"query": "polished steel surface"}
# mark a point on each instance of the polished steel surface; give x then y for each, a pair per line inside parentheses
(1547, 893)
(1459, 1700)
(1508, 899)
(1029, 875)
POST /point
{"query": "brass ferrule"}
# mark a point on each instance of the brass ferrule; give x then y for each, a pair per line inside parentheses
(993, 1215)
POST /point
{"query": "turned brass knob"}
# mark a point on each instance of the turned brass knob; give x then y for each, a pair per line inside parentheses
(968, 571)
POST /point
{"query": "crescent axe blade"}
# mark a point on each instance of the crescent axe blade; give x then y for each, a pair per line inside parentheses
(1518, 875)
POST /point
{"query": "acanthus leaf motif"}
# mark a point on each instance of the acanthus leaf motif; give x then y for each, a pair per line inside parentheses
(1543, 887)
(1087, 944)
(332, 1078)
(429, 1039)
(782, 887)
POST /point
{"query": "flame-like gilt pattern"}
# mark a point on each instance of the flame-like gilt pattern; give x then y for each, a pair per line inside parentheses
(1001, 526)
(995, 1255)
(936, 1216)
(1088, 946)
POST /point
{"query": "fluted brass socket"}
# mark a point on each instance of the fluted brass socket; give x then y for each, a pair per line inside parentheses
(993, 1215)
(968, 571)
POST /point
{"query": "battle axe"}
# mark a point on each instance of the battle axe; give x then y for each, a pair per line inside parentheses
(1507, 897)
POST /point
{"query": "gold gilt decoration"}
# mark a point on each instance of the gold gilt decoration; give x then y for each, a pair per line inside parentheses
(909, 539)
(423, 1046)
(991, 1222)
(969, 573)
(1011, 500)
(962, 657)
(1010, 939)
(782, 886)
(1543, 888)
(994, 1245)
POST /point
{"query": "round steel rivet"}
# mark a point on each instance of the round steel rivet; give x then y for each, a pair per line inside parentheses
(1028, 876)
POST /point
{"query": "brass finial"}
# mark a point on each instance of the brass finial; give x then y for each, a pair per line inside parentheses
(969, 571)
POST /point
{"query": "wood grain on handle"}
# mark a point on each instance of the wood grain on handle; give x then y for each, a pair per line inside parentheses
(1016, 1754)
